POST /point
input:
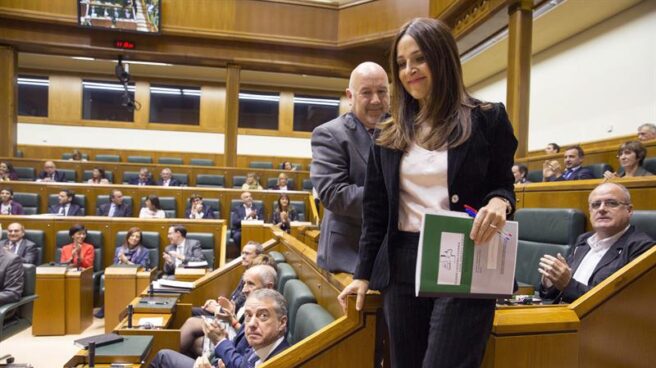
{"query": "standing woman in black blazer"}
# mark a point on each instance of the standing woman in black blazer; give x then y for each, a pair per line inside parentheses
(442, 149)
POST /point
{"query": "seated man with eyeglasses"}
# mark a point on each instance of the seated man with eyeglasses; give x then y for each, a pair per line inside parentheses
(596, 254)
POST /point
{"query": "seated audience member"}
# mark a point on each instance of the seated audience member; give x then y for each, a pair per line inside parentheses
(152, 208)
(11, 277)
(77, 156)
(197, 209)
(287, 166)
(597, 254)
(646, 132)
(167, 179)
(245, 211)
(552, 148)
(143, 178)
(17, 243)
(132, 252)
(98, 176)
(65, 207)
(78, 253)
(284, 213)
(232, 352)
(282, 183)
(50, 173)
(573, 169)
(7, 172)
(115, 207)
(7, 204)
(181, 250)
(519, 172)
(631, 156)
(252, 182)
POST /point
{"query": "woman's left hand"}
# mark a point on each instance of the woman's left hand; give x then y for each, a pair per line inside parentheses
(489, 220)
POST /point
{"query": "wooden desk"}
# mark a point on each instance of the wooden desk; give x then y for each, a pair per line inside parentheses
(261, 232)
(65, 303)
(122, 285)
(189, 274)
(132, 350)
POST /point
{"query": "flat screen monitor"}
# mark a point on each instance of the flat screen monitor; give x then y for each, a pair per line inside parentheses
(124, 15)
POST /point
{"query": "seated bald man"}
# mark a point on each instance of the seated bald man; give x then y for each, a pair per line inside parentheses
(596, 254)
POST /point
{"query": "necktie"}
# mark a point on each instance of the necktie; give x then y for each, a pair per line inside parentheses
(13, 247)
(61, 211)
(371, 132)
(252, 359)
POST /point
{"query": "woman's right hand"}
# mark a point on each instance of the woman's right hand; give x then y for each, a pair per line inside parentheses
(357, 287)
(610, 175)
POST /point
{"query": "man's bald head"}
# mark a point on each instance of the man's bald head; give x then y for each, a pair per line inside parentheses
(368, 93)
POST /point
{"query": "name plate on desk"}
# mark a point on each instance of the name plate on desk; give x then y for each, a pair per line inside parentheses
(155, 304)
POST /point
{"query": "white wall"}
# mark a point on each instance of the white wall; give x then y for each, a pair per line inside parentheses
(598, 84)
(157, 140)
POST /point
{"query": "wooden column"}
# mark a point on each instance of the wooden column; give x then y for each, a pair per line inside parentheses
(231, 115)
(520, 30)
(8, 100)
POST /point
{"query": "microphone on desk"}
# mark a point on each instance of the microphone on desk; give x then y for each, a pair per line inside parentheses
(151, 290)
(92, 354)
(130, 312)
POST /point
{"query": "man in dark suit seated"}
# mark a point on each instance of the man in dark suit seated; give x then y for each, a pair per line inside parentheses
(7, 204)
(17, 244)
(245, 211)
(573, 169)
(197, 209)
(143, 178)
(181, 250)
(50, 173)
(11, 277)
(283, 183)
(597, 254)
(65, 207)
(167, 179)
(115, 207)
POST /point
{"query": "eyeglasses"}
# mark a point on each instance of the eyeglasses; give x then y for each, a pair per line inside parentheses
(608, 203)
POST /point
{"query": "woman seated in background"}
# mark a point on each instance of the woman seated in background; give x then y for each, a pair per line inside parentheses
(98, 176)
(78, 253)
(287, 166)
(132, 252)
(252, 182)
(77, 156)
(631, 156)
(7, 172)
(7, 204)
(284, 213)
(197, 209)
(152, 209)
(519, 172)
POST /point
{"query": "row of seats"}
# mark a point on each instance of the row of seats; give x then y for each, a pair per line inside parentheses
(598, 170)
(555, 230)
(202, 180)
(30, 203)
(173, 161)
(304, 315)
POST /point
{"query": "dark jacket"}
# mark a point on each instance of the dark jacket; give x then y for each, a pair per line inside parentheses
(16, 208)
(478, 170)
(123, 210)
(59, 176)
(135, 181)
(73, 210)
(11, 277)
(27, 250)
(172, 183)
(629, 246)
(239, 212)
(208, 212)
(193, 253)
(580, 174)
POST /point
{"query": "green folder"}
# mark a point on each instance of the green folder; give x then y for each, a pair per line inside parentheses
(133, 349)
(450, 264)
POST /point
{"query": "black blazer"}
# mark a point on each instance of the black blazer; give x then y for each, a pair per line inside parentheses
(172, 183)
(124, 210)
(579, 174)
(239, 212)
(73, 210)
(135, 181)
(478, 170)
(59, 176)
(629, 246)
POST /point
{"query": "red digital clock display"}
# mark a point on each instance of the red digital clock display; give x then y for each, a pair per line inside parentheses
(122, 44)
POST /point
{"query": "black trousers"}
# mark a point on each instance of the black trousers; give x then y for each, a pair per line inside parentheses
(431, 332)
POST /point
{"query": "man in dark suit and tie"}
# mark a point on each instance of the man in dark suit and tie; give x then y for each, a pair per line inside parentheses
(17, 244)
(597, 254)
(11, 277)
(50, 173)
(144, 178)
(65, 207)
(245, 211)
(340, 149)
(167, 179)
(573, 169)
(116, 207)
(181, 250)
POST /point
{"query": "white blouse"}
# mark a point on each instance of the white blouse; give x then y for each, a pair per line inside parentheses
(424, 185)
(146, 213)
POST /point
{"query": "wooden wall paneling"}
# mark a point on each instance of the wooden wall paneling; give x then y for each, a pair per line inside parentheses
(286, 112)
(212, 108)
(142, 96)
(601, 143)
(65, 98)
(231, 115)
(535, 350)
(8, 100)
